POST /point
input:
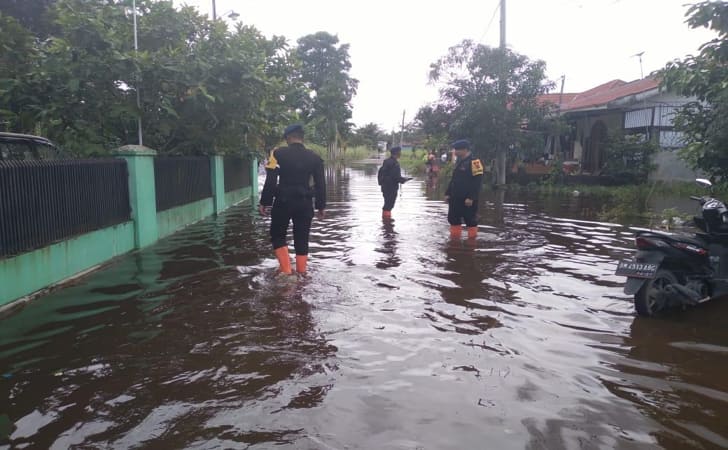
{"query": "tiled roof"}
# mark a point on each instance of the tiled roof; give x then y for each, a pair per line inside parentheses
(602, 95)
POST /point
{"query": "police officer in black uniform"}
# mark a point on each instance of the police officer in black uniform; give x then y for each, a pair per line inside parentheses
(463, 190)
(290, 172)
(390, 177)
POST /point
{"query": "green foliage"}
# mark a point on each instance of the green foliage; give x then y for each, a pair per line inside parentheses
(31, 14)
(324, 70)
(351, 154)
(367, 136)
(203, 87)
(487, 95)
(357, 153)
(704, 76)
(629, 155)
(413, 166)
(627, 203)
(556, 175)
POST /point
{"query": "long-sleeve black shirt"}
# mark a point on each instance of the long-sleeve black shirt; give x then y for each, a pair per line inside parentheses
(466, 179)
(290, 173)
(391, 174)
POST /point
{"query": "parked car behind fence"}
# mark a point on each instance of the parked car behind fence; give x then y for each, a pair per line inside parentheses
(24, 147)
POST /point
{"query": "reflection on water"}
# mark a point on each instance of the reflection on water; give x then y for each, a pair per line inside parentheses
(398, 338)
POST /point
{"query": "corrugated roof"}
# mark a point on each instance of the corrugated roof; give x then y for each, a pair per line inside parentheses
(602, 95)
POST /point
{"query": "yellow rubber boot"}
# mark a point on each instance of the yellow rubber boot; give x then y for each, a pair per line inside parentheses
(284, 260)
(301, 263)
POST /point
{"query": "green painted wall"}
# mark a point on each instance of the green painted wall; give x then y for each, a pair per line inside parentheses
(27, 273)
(177, 218)
(235, 197)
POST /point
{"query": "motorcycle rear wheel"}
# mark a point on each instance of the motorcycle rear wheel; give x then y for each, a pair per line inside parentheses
(652, 298)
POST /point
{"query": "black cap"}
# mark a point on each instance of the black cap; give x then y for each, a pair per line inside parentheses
(292, 129)
(397, 149)
(461, 144)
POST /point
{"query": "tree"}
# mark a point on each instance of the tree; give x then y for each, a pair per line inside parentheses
(325, 69)
(629, 156)
(368, 135)
(488, 94)
(203, 88)
(31, 14)
(18, 55)
(705, 76)
(434, 123)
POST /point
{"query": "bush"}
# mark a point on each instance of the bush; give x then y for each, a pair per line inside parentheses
(629, 156)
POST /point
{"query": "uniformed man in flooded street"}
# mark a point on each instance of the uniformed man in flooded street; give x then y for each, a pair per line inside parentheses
(463, 191)
(389, 178)
(294, 185)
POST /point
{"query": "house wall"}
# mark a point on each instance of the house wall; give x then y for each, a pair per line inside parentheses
(671, 168)
(612, 120)
(668, 98)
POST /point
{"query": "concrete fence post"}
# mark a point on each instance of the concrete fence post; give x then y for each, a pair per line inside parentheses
(142, 193)
(254, 180)
(217, 164)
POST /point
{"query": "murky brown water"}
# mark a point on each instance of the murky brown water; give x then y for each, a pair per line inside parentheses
(399, 339)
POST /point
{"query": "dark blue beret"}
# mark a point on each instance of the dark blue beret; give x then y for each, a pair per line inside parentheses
(461, 144)
(293, 129)
(395, 150)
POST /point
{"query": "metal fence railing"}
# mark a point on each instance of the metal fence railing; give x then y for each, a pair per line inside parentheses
(181, 179)
(42, 202)
(237, 173)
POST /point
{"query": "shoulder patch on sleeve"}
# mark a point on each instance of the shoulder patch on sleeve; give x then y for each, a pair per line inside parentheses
(476, 167)
(272, 161)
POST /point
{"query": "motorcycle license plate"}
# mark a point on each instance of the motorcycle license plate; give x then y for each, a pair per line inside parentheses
(635, 269)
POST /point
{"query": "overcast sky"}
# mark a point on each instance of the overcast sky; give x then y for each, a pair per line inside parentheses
(393, 42)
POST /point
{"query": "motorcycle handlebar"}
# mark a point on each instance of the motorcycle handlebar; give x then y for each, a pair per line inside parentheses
(697, 199)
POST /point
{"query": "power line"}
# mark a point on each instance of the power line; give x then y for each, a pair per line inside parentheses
(495, 11)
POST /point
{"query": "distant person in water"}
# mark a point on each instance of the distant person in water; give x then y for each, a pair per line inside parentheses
(287, 189)
(389, 178)
(463, 191)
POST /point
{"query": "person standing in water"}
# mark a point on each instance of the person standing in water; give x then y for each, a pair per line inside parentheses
(463, 191)
(389, 178)
(289, 174)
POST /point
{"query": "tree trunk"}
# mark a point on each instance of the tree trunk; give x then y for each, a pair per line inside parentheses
(336, 139)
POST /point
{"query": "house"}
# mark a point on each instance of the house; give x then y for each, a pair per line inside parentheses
(637, 107)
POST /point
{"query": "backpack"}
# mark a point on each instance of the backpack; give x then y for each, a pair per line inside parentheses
(381, 174)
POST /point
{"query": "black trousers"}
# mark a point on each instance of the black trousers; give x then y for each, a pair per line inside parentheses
(283, 212)
(390, 196)
(457, 212)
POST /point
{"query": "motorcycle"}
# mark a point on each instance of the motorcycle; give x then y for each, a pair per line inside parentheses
(680, 270)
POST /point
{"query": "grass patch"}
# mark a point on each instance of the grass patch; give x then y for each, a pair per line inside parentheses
(630, 202)
(352, 154)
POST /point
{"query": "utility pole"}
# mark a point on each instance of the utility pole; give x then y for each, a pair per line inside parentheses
(501, 147)
(138, 83)
(214, 12)
(401, 133)
(503, 24)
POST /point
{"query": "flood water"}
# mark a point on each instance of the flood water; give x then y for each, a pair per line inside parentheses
(397, 339)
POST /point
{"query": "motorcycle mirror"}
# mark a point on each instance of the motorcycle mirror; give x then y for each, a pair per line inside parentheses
(705, 183)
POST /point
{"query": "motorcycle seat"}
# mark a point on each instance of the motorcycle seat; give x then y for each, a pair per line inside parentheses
(685, 238)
